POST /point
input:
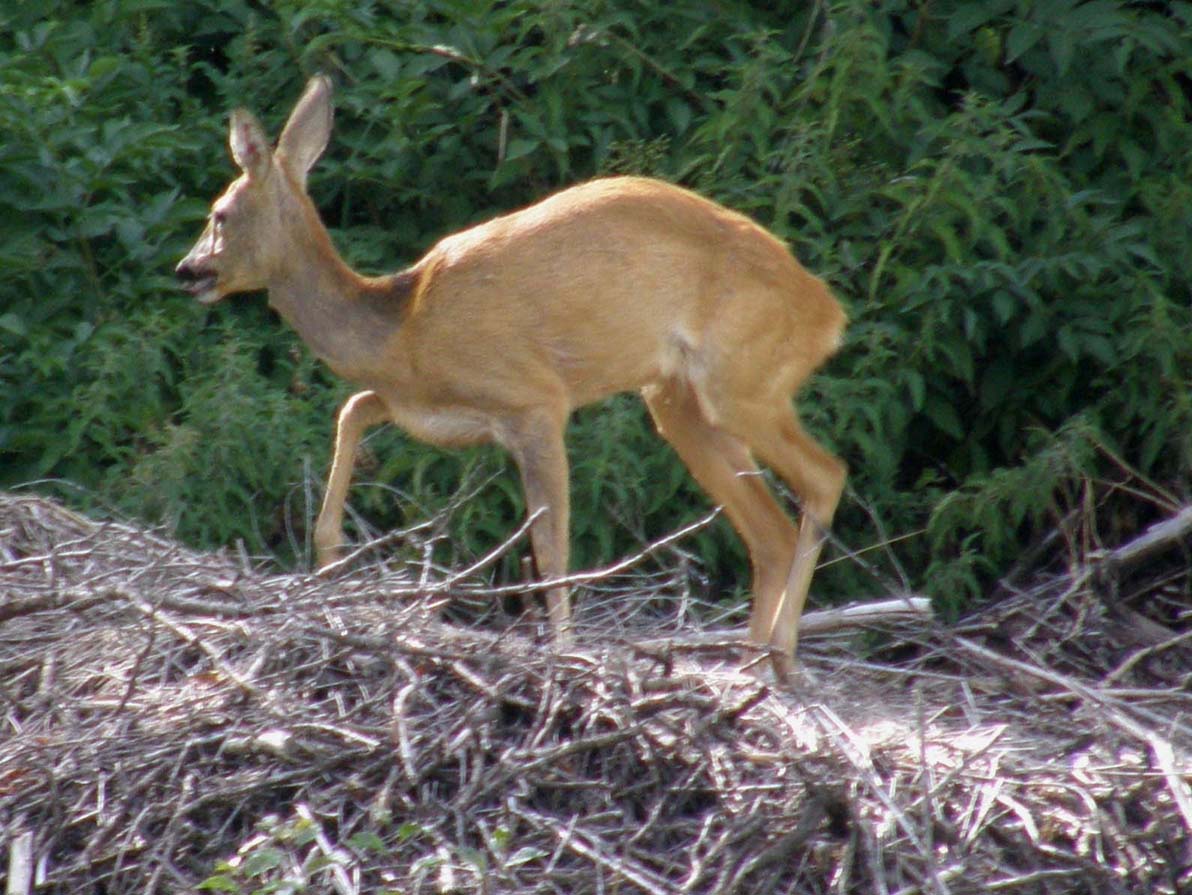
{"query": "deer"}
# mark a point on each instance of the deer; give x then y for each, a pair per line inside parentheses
(501, 330)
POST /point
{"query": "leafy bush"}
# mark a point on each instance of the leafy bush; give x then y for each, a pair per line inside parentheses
(999, 192)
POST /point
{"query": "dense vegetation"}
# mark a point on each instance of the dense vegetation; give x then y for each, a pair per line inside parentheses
(1000, 191)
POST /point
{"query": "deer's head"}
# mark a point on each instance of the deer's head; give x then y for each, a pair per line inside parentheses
(251, 230)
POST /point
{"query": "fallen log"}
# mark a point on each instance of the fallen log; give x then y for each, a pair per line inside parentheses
(823, 621)
(1157, 538)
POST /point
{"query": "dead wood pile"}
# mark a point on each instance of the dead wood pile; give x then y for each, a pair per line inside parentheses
(172, 718)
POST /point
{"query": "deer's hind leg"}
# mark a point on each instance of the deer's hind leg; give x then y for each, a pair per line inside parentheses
(752, 401)
(817, 478)
(721, 463)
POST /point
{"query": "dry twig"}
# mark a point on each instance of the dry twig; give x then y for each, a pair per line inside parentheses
(165, 711)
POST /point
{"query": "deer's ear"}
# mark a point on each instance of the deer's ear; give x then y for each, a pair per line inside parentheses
(306, 133)
(250, 146)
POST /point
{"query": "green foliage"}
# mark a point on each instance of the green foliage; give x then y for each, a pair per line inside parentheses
(301, 854)
(1000, 192)
(976, 528)
(292, 855)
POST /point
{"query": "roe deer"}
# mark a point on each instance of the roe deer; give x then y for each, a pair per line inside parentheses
(500, 331)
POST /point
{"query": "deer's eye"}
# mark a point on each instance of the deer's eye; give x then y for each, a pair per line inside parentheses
(219, 218)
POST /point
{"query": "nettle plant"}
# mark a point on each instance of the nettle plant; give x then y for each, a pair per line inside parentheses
(997, 192)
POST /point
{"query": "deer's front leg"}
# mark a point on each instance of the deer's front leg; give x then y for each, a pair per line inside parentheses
(359, 412)
(541, 456)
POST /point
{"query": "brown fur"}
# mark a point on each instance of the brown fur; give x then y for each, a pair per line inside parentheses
(501, 330)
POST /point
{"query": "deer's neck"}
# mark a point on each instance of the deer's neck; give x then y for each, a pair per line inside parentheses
(344, 318)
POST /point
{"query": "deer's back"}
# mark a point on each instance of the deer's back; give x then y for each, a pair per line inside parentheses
(608, 286)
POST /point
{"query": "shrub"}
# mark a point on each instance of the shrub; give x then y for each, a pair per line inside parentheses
(999, 192)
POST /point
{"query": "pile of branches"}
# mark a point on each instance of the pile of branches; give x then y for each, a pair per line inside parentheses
(174, 720)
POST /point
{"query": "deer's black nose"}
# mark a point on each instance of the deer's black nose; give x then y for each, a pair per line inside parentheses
(196, 279)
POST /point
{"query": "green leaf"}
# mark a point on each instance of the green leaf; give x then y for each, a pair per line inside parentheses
(1062, 44)
(997, 379)
(525, 855)
(968, 17)
(13, 324)
(1023, 36)
(501, 837)
(1102, 348)
(1034, 328)
(260, 861)
(386, 62)
(520, 148)
(945, 418)
(368, 841)
(474, 857)
(917, 388)
(1004, 305)
(944, 232)
(679, 113)
(219, 883)
(408, 831)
